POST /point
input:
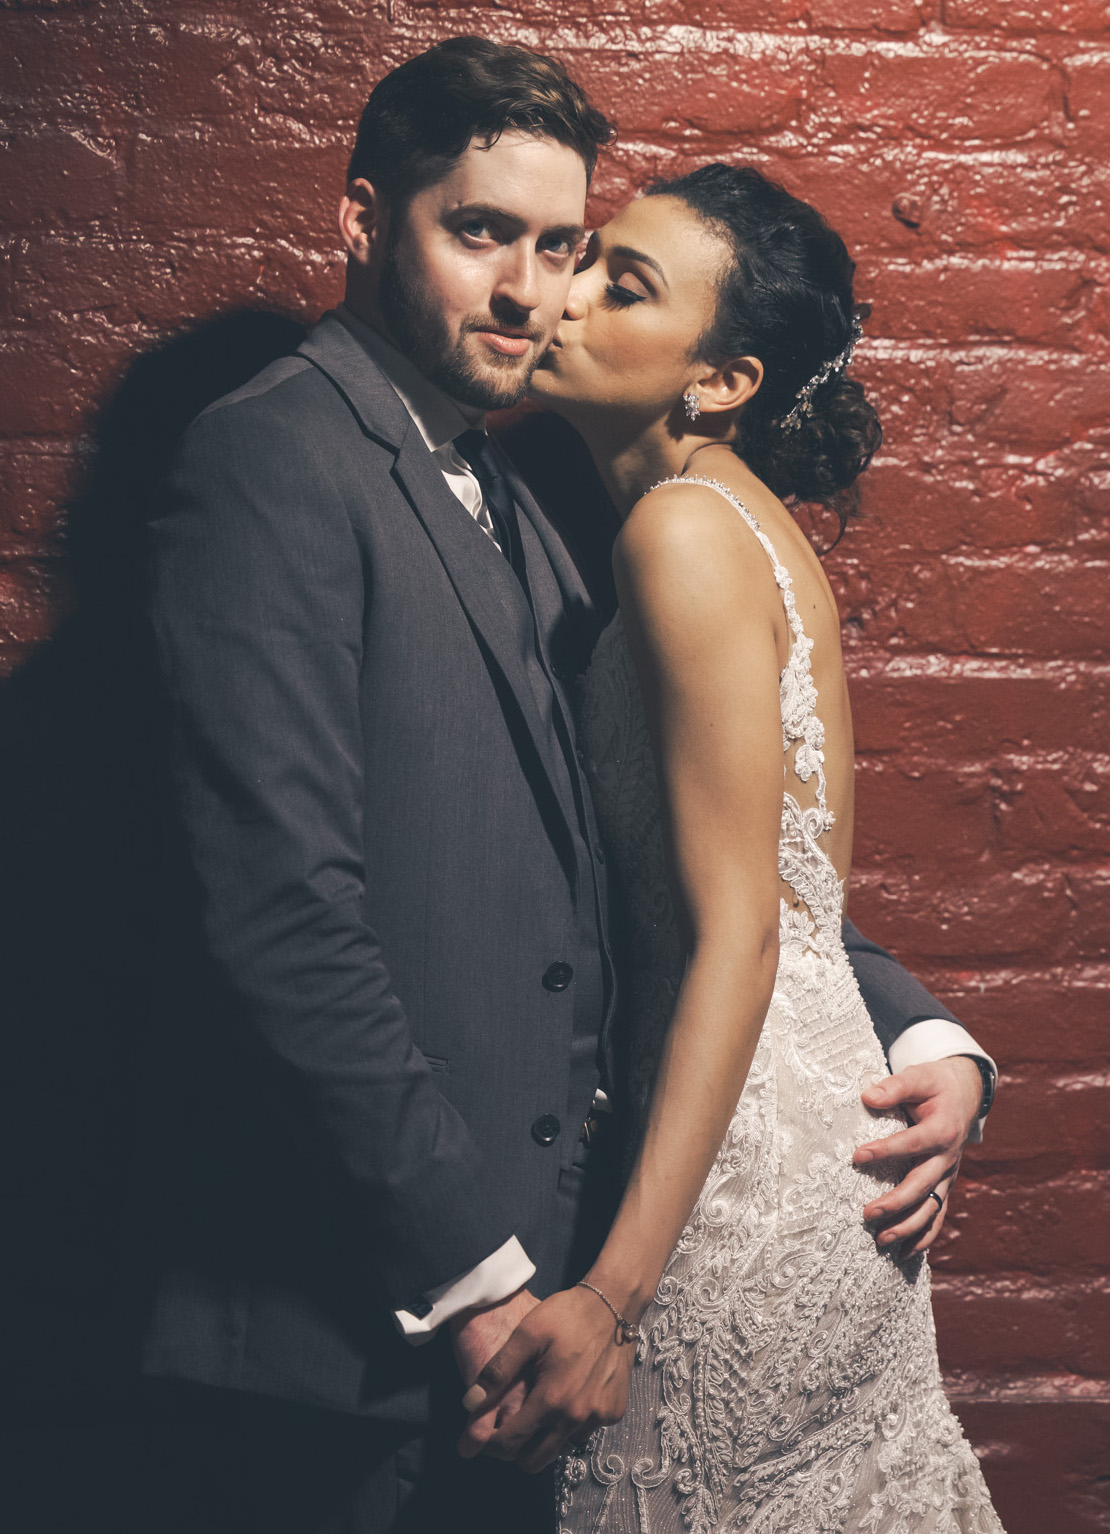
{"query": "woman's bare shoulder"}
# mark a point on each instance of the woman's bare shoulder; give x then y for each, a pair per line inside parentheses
(687, 531)
(683, 547)
(685, 522)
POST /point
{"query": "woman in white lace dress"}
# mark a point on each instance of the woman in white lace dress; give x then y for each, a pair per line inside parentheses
(785, 1374)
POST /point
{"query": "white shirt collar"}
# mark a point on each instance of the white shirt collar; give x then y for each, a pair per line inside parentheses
(439, 418)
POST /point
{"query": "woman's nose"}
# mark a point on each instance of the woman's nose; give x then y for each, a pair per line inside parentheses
(577, 299)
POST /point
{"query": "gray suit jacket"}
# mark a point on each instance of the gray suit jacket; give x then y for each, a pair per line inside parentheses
(394, 856)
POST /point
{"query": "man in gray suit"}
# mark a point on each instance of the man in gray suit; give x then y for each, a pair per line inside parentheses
(366, 627)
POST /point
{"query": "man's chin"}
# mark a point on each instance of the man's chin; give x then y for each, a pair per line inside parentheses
(487, 385)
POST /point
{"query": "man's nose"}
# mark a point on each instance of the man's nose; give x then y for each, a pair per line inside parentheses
(519, 277)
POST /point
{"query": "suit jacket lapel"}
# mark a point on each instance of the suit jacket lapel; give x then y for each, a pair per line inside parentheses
(487, 602)
(571, 585)
(570, 617)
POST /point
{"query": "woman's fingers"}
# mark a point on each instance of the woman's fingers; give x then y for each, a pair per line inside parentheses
(555, 1439)
(500, 1381)
(559, 1375)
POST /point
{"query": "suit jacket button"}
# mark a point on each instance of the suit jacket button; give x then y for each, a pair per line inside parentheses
(557, 976)
(545, 1129)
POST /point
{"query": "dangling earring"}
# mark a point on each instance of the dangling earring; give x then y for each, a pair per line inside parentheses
(693, 405)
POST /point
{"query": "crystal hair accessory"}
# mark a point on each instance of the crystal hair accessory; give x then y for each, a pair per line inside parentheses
(803, 406)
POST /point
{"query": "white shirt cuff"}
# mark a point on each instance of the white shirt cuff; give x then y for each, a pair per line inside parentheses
(936, 1038)
(502, 1273)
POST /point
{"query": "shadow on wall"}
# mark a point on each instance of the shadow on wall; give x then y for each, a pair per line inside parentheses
(81, 876)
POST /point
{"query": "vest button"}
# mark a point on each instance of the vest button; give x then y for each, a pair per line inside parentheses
(545, 1129)
(599, 852)
(557, 976)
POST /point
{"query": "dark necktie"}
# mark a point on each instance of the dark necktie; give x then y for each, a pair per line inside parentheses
(476, 448)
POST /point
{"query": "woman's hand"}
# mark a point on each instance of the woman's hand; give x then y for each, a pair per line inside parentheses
(568, 1353)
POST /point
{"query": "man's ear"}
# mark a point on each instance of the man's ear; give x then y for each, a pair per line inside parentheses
(727, 387)
(362, 219)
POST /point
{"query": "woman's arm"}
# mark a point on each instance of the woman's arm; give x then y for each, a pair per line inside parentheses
(706, 628)
(704, 623)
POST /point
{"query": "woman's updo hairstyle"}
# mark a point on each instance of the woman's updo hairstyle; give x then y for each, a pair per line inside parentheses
(785, 298)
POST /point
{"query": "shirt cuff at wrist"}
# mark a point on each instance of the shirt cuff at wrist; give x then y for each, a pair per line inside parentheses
(937, 1038)
(502, 1273)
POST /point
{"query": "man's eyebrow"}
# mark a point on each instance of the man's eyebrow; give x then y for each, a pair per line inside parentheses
(627, 252)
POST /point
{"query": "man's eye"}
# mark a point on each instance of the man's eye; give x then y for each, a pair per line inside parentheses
(476, 230)
(557, 247)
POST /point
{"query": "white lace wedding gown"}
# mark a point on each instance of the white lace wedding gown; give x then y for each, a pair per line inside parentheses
(787, 1382)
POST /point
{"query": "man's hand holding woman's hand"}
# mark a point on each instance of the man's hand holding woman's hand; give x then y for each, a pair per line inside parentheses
(562, 1373)
(477, 1336)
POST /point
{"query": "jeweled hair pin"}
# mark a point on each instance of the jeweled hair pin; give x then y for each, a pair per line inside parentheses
(803, 406)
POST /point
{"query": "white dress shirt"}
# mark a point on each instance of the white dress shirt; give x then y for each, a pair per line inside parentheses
(440, 419)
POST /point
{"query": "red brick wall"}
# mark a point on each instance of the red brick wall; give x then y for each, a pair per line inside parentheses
(164, 162)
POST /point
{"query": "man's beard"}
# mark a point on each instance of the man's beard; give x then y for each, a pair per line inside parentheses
(419, 331)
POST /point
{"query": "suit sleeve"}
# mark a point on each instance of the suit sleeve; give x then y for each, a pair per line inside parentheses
(258, 591)
(893, 997)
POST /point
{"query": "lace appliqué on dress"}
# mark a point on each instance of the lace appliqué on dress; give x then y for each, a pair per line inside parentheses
(788, 1379)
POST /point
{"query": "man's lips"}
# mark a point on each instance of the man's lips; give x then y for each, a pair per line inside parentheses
(509, 344)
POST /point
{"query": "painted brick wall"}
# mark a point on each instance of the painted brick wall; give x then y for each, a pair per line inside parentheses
(165, 162)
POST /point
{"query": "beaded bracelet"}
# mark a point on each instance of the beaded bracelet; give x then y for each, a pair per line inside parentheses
(628, 1331)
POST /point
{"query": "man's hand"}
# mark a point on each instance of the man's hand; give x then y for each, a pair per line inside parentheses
(942, 1098)
(573, 1374)
(477, 1335)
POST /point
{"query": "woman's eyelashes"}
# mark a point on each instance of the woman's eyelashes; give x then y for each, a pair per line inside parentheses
(619, 297)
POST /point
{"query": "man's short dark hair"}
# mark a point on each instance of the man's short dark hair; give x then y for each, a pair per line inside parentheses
(421, 116)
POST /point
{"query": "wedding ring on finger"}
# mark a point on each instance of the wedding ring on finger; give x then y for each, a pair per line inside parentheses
(934, 1194)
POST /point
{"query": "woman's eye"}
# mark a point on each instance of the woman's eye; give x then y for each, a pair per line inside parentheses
(621, 297)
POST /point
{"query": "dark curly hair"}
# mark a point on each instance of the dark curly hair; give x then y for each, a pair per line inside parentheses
(786, 298)
(422, 115)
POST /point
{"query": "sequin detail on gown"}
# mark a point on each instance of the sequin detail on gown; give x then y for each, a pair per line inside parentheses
(788, 1376)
